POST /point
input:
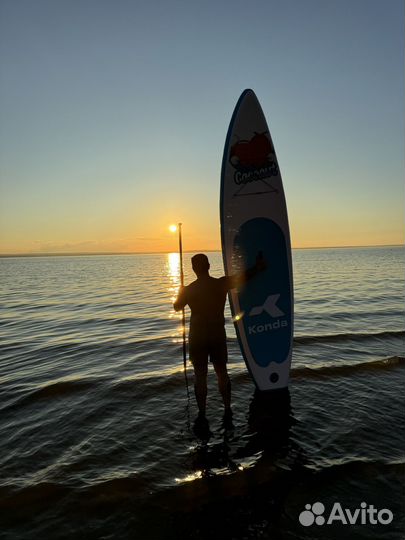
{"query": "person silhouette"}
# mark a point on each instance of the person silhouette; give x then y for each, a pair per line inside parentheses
(206, 298)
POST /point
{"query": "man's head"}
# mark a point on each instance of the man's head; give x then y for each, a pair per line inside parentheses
(200, 264)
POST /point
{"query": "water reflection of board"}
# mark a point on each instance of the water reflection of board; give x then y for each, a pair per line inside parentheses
(254, 218)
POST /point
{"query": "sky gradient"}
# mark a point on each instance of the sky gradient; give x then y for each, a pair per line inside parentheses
(114, 116)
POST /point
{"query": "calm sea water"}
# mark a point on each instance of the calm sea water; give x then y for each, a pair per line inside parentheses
(95, 421)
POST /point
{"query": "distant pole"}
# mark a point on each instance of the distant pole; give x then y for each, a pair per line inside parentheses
(183, 313)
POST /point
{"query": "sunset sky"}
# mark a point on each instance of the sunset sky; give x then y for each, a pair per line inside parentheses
(114, 116)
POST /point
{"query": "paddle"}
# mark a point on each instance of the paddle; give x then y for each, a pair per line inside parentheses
(183, 313)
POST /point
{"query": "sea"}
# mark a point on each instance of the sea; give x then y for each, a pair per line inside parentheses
(96, 411)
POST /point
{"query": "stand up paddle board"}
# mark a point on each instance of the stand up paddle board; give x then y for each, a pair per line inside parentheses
(253, 220)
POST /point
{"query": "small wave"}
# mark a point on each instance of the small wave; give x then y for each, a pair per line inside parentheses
(170, 378)
(55, 389)
(94, 345)
(348, 336)
(125, 346)
(347, 369)
(255, 483)
(12, 499)
(115, 491)
(147, 383)
(331, 338)
(187, 494)
(61, 388)
(151, 383)
(349, 466)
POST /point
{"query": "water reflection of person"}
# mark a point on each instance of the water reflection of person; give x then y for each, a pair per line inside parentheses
(206, 298)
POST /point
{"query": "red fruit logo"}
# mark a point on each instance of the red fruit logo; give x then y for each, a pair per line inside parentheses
(254, 154)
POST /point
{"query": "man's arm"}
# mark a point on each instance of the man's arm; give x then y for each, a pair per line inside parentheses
(181, 300)
(239, 279)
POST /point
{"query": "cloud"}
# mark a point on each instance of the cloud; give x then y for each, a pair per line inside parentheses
(126, 244)
(55, 247)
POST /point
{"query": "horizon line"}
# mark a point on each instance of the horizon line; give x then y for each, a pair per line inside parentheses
(163, 252)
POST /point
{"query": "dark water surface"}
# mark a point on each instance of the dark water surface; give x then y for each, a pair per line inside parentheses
(95, 421)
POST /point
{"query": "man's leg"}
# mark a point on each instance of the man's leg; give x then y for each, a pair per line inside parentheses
(219, 358)
(224, 384)
(200, 364)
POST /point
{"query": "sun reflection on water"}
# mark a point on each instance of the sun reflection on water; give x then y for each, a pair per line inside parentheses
(173, 273)
(190, 477)
(173, 267)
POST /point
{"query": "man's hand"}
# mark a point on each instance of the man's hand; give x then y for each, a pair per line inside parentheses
(180, 301)
(251, 272)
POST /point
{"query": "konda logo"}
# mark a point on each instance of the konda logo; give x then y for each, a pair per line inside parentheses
(253, 154)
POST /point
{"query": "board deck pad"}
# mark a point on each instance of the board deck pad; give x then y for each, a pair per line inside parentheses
(253, 220)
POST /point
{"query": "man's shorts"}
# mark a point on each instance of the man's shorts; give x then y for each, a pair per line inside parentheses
(212, 347)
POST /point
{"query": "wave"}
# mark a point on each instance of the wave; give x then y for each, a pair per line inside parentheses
(94, 344)
(169, 379)
(124, 346)
(61, 388)
(361, 336)
(347, 369)
(55, 389)
(35, 497)
(136, 490)
(175, 377)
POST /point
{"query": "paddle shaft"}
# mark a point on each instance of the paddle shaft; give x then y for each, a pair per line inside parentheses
(183, 318)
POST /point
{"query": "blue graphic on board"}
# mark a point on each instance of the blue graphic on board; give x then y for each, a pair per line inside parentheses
(265, 300)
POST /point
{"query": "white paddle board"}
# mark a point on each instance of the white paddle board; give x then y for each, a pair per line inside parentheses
(254, 219)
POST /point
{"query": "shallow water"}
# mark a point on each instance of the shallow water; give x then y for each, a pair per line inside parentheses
(95, 420)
